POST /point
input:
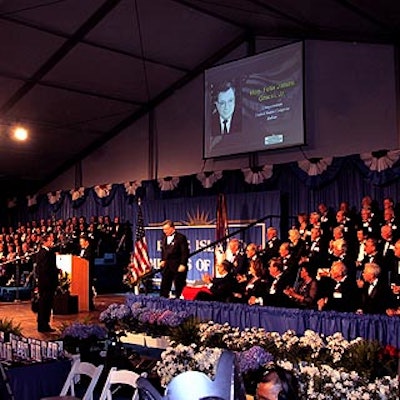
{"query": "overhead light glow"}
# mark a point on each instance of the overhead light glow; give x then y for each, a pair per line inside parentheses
(20, 133)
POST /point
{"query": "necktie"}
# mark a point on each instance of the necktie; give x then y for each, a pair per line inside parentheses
(225, 130)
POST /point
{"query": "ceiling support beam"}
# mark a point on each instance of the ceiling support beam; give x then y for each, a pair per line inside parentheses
(68, 45)
(54, 32)
(198, 70)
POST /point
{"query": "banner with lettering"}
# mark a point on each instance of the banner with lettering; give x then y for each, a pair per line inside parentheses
(199, 237)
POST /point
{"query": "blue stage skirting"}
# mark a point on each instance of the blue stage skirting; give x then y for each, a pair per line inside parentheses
(373, 327)
(32, 382)
(9, 293)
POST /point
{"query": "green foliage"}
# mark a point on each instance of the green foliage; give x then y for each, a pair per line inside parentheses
(186, 333)
(7, 326)
(366, 357)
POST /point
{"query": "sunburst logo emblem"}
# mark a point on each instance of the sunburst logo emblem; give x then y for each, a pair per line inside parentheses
(198, 218)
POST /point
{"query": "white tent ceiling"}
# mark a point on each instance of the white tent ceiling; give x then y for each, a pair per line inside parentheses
(78, 72)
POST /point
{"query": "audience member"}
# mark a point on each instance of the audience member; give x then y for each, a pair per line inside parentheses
(278, 282)
(253, 286)
(340, 292)
(289, 264)
(305, 294)
(376, 296)
(272, 246)
(236, 258)
(277, 384)
(220, 287)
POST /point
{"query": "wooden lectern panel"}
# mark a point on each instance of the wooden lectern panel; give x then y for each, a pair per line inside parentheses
(80, 282)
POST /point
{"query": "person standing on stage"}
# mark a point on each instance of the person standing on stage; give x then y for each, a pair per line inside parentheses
(47, 276)
(87, 253)
(174, 260)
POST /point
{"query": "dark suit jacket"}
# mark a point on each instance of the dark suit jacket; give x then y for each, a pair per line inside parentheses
(47, 271)
(240, 264)
(271, 249)
(176, 253)
(291, 269)
(375, 258)
(278, 299)
(222, 288)
(393, 266)
(258, 289)
(236, 123)
(87, 254)
(343, 296)
(317, 254)
(380, 299)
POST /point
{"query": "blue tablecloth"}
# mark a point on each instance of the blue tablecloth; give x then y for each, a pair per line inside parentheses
(32, 382)
(374, 327)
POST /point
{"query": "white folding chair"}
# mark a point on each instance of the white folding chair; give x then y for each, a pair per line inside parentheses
(195, 385)
(79, 368)
(119, 377)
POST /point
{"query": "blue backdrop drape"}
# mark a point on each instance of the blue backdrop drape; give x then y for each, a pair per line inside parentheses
(346, 179)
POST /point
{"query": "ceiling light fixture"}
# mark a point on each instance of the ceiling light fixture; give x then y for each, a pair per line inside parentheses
(20, 133)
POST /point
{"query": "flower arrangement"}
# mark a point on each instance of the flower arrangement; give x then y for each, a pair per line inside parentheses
(137, 318)
(328, 368)
(81, 336)
(181, 358)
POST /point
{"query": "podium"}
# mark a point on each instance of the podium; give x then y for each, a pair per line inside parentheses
(78, 270)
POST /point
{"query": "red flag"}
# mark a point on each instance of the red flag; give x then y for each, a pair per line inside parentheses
(221, 228)
(140, 262)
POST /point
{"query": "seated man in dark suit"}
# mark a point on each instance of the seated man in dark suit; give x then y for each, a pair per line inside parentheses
(376, 295)
(272, 246)
(236, 257)
(274, 295)
(221, 286)
(341, 291)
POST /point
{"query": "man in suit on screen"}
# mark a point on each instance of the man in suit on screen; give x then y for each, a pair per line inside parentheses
(225, 119)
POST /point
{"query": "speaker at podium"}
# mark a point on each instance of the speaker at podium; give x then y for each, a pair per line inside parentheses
(78, 270)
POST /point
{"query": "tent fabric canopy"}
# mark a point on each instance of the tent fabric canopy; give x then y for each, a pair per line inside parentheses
(83, 71)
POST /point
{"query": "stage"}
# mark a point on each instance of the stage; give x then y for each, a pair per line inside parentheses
(379, 327)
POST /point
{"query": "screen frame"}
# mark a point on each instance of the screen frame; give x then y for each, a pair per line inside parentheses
(277, 148)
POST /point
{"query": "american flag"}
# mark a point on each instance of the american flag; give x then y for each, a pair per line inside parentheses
(140, 262)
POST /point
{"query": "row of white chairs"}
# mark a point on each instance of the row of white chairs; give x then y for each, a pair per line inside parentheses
(83, 368)
(189, 385)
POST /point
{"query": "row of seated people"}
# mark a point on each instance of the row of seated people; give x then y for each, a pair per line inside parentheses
(101, 231)
(339, 291)
(318, 260)
(353, 227)
(18, 245)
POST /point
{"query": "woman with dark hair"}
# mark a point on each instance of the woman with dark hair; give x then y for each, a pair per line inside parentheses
(254, 285)
(303, 226)
(277, 384)
(304, 295)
